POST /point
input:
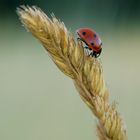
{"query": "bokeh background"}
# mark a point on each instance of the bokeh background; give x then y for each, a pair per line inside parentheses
(37, 102)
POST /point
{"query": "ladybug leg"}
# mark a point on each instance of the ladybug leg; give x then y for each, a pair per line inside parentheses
(93, 54)
(86, 47)
(79, 39)
(98, 54)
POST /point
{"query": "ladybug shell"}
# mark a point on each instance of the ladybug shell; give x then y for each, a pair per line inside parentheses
(91, 38)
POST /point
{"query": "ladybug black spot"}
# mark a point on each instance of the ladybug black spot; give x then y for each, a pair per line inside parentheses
(95, 35)
(84, 33)
(92, 44)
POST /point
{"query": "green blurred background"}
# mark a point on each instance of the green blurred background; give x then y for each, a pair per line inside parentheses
(37, 102)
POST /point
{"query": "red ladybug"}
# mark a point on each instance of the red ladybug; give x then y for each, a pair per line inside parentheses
(91, 39)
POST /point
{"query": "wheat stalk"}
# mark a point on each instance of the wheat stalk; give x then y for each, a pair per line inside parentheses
(85, 71)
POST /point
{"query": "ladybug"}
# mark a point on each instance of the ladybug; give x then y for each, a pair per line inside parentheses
(91, 39)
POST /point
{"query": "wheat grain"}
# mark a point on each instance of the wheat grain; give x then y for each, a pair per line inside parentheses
(85, 71)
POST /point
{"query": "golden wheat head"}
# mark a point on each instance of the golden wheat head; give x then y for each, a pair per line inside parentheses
(85, 71)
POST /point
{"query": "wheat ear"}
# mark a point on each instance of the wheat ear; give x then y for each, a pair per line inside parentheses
(85, 71)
